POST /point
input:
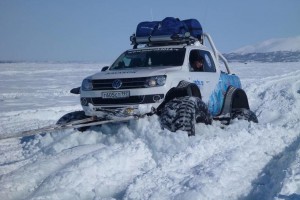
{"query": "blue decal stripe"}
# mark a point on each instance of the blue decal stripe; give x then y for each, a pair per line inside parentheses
(216, 99)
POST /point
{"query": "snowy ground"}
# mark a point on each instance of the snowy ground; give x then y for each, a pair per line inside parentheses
(138, 160)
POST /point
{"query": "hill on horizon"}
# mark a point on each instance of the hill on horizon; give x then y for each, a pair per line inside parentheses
(272, 45)
(272, 50)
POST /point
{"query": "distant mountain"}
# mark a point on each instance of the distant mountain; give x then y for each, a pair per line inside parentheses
(273, 50)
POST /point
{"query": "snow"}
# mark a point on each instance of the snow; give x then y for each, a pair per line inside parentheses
(139, 160)
(272, 45)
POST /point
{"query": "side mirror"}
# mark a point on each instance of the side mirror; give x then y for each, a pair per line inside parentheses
(75, 90)
(104, 68)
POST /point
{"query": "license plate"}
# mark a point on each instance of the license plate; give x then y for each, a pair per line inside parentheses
(115, 95)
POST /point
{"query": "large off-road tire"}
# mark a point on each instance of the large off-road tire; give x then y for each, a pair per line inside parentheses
(73, 116)
(183, 112)
(245, 114)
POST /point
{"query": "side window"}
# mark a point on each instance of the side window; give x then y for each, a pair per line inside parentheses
(209, 65)
(201, 61)
(196, 61)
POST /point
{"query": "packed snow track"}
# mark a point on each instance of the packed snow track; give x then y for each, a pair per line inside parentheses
(139, 160)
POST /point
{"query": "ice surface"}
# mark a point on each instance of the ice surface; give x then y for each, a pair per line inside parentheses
(139, 160)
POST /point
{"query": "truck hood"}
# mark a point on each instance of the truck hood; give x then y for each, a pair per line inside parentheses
(133, 73)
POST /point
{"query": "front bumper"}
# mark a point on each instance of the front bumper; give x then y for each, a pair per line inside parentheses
(133, 105)
(139, 100)
(132, 100)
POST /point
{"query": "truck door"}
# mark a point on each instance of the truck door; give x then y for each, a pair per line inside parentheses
(203, 72)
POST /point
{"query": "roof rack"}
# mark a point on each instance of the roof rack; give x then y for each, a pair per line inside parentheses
(164, 40)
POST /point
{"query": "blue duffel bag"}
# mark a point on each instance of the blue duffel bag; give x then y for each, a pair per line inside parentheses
(194, 27)
(165, 30)
(145, 29)
(170, 26)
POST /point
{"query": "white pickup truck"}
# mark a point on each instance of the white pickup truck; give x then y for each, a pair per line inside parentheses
(159, 78)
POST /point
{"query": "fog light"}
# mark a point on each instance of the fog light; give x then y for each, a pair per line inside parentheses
(129, 111)
(156, 98)
(84, 101)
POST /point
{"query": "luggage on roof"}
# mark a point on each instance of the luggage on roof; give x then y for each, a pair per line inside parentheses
(194, 27)
(170, 26)
(145, 29)
(169, 30)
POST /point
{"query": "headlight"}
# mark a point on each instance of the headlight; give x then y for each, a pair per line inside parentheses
(87, 84)
(161, 80)
(156, 81)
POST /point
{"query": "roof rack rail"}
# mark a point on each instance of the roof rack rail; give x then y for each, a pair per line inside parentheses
(164, 40)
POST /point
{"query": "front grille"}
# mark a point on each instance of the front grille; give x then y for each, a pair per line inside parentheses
(127, 83)
(130, 100)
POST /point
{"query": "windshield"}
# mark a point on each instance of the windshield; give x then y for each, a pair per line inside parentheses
(150, 58)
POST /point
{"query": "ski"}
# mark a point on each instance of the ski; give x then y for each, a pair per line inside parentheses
(91, 121)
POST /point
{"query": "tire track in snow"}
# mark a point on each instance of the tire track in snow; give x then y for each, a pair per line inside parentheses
(269, 182)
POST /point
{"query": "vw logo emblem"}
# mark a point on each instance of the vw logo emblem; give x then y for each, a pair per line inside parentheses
(116, 84)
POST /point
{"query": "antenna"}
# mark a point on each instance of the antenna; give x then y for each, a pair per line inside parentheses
(151, 13)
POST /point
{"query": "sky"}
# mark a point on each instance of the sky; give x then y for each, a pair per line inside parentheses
(99, 30)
